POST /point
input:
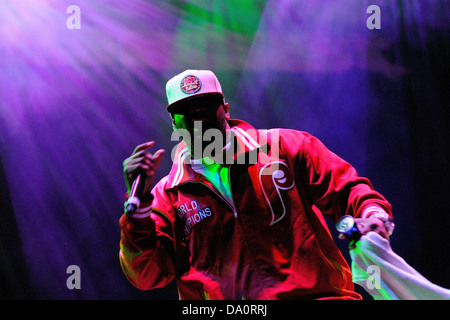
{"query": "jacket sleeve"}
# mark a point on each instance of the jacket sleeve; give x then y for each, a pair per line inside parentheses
(146, 245)
(329, 182)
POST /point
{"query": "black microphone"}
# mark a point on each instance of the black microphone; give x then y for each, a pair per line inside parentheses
(133, 201)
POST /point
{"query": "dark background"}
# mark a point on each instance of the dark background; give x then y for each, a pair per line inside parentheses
(75, 103)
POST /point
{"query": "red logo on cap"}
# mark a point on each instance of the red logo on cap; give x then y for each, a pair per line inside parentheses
(190, 84)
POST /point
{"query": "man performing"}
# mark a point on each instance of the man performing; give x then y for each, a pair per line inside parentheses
(243, 221)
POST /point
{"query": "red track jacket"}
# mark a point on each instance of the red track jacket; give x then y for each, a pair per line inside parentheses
(271, 243)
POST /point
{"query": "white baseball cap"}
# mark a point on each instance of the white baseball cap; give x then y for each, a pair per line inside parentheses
(191, 83)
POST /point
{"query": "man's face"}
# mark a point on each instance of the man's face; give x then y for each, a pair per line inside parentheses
(198, 115)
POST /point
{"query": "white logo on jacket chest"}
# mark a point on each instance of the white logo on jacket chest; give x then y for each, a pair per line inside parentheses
(276, 176)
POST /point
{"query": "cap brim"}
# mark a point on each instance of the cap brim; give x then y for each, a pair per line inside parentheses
(180, 104)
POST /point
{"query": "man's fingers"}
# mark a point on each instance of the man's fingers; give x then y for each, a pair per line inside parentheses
(372, 224)
(134, 170)
(143, 147)
(158, 153)
(157, 157)
(145, 157)
(142, 162)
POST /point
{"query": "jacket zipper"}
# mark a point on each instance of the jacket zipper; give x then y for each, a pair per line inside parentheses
(231, 205)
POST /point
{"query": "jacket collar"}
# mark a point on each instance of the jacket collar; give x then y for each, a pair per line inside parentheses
(247, 139)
